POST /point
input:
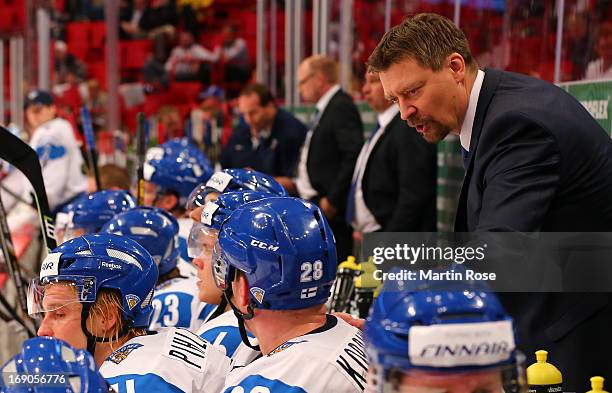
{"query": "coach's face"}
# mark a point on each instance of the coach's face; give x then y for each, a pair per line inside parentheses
(433, 102)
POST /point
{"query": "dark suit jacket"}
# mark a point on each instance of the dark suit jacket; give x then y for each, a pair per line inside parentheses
(399, 181)
(334, 147)
(539, 162)
(277, 156)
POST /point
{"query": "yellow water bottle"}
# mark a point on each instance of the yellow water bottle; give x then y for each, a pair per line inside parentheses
(597, 384)
(543, 377)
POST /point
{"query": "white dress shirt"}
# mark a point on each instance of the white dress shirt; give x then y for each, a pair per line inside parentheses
(302, 182)
(466, 128)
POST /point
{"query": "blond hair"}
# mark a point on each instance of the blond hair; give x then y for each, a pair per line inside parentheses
(325, 66)
(108, 302)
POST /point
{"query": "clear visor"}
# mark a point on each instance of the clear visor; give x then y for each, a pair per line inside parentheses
(201, 240)
(53, 294)
(503, 379)
(220, 268)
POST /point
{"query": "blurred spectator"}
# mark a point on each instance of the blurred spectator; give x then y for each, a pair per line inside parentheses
(211, 122)
(271, 139)
(96, 101)
(171, 124)
(160, 16)
(189, 61)
(233, 53)
(601, 67)
(130, 16)
(66, 65)
(93, 9)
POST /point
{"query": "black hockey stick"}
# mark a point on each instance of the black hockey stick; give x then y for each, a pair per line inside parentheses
(14, 316)
(23, 157)
(90, 141)
(140, 150)
(8, 250)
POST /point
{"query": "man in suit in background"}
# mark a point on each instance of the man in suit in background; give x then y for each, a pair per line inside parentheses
(271, 139)
(331, 147)
(394, 182)
(536, 161)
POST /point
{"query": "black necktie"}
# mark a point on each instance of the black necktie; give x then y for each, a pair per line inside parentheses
(466, 157)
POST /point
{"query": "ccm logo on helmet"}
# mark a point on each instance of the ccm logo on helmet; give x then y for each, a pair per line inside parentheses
(263, 246)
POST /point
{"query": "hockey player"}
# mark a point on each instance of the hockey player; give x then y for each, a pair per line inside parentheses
(172, 170)
(46, 364)
(175, 302)
(89, 213)
(221, 328)
(95, 292)
(229, 180)
(60, 157)
(278, 256)
(434, 340)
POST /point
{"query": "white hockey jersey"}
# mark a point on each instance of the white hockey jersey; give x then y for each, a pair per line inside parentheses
(176, 304)
(223, 332)
(61, 161)
(173, 360)
(329, 359)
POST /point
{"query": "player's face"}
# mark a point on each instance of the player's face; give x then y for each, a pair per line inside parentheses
(150, 192)
(432, 102)
(207, 290)
(489, 381)
(64, 321)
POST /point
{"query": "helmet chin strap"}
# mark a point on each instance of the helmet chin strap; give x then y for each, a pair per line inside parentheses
(241, 317)
(92, 339)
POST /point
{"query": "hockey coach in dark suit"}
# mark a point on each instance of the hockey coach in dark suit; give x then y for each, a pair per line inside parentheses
(536, 161)
(332, 144)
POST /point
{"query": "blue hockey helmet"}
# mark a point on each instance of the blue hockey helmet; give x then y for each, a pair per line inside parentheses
(229, 180)
(89, 213)
(286, 250)
(176, 166)
(429, 337)
(215, 213)
(65, 369)
(154, 229)
(89, 264)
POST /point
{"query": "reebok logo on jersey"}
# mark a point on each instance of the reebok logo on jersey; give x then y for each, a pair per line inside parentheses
(122, 353)
(132, 300)
(111, 266)
(258, 293)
